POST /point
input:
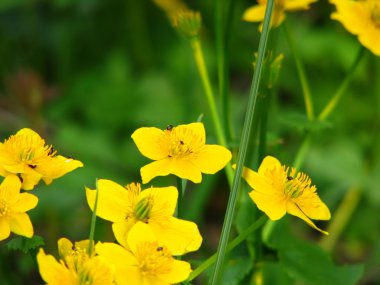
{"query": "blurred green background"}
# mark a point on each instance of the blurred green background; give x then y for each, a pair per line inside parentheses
(85, 74)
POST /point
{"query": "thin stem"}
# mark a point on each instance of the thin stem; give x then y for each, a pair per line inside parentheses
(301, 74)
(200, 62)
(234, 243)
(302, 151)
(221, 253)
(93, 221)
(343, 87)
(181, 186)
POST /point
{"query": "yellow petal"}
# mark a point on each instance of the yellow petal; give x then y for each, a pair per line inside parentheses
(274, 206)
(294, 210)
(151, 143)
(156, 168)
(179, 236)
(268, 163)
(212, 158)
(10, 188)
(5, 231)
(257, 182)
(29, 180)
(121, 230)
(164, 200)
(53, 272)
(140, 233)
(56, 167)
(197, 129)
(113, 201)
(370, 38)
(20, 224)
(254, 13)
(312, 206)
(185, 169)
(65, 247)
(294, 5)
(25, 202)
(180, 271)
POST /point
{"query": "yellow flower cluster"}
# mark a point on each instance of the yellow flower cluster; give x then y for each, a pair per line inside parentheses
(25, 159)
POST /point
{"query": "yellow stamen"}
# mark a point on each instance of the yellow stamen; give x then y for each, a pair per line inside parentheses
(153, 258)
(182, 142)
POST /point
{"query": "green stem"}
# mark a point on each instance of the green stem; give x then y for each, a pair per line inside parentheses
(200, 62)
(181, 186)
(93, 221)
(343, 87)
(234, 243)
(301, 74)
(221, 253)
(302, 151)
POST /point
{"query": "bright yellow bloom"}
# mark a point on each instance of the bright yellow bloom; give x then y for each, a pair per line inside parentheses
(361, 18)
(181, 151)
(125, 206)
(256, 13)
(75, 266)
(146, 262)
(278, 190)
(25, 154)
(13, 208)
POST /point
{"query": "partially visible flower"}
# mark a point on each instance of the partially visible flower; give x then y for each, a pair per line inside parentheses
(278, 190)
(361, 18)
(25, 154)
(256, 13)
(146, 261)
(75, 266)
(154, 206)
(13, 208)
(180, 150)
(188, 23)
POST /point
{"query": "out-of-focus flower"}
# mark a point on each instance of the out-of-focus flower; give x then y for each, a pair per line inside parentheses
(13, 208)
(361, 18)
(278, 190)
(75, 266)
(147, 261)
(188, 23)
(154, 206)
(180, 150)
(256, 13)
(26, 155)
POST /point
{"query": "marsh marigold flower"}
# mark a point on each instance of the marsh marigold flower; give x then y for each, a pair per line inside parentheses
(25, 154)
(13, 208)
(361, 18)
(278, 190)
(256, 13)
(180, 150)
(75, 267)
(146, 261)
(126, 206)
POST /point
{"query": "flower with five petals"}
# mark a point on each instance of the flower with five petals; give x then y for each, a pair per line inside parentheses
(13, 208)
(180, 150)
(126, 206)
(25, 154)
(278, 190)
(146, 261)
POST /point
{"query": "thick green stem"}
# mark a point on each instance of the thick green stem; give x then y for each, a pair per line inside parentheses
(93, 221)
(200, 62)
(234, 243)
(301, 74)
(342, 88)
(221, 253)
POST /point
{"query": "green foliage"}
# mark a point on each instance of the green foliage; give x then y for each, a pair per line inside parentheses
(26, 245)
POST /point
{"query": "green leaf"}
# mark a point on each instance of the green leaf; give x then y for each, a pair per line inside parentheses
(25, 244)
(236, 270)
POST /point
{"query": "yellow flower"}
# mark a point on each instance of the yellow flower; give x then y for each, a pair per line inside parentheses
(180, 151)
(154, 206)
(13, 208)
(361, 18)
(256, 13)
(75, 267)
(278, 190)
(147, 261)
(25, 154)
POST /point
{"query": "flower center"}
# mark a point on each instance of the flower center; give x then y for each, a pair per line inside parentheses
(76, 258)
(142, 209)
(182, 142)
(28, 148)
(295, 183)
(4, 208)
(153, 258)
